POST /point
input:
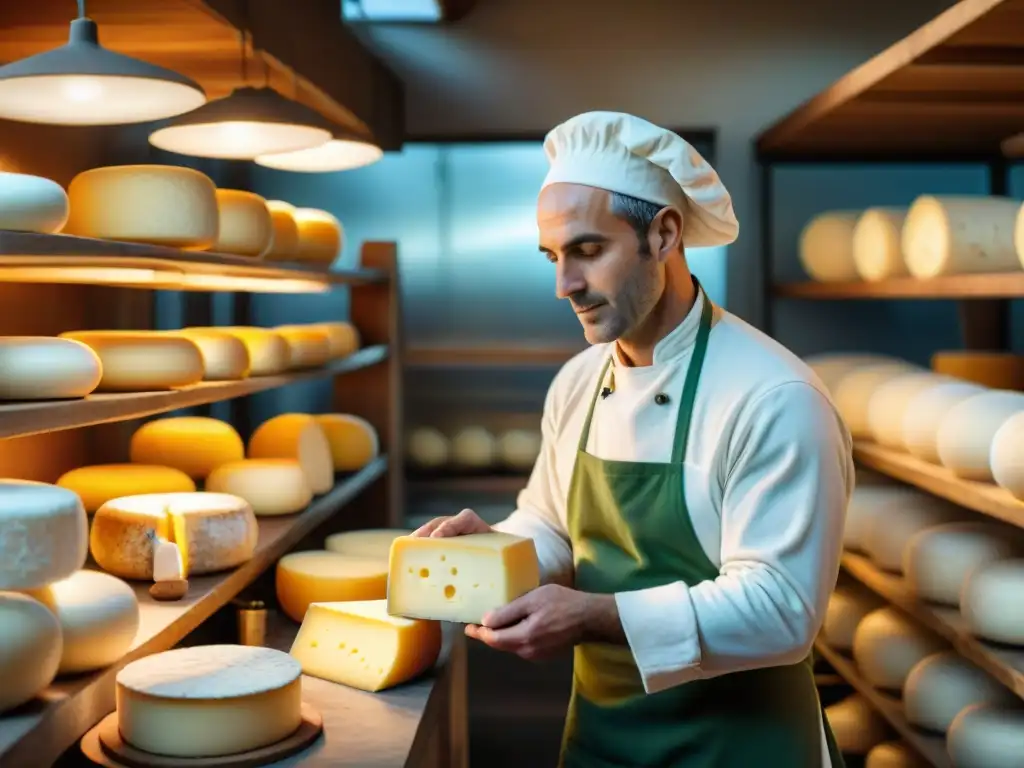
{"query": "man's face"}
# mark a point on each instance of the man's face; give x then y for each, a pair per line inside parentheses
(600, 269)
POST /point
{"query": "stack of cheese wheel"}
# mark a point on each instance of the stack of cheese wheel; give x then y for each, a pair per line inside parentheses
(987, 735)
(924, 415)
(31, 204)
(846, 608)
(138, 361)
(967, 432)
(353, 440)
(854, 390)
(830, 367)
(887, 645)
(1006, 455)
(826, 246)
(225, 356)
(320, 576)
(890, 402)
(868, 502)
(942, 685)
(245, 227)
(99, 483)
(877, 247)
(269, 353)
(897, 518)
(46, 368)
(321, 237)
(995, 370)
(284, 245)
(195, 445)
(427, 448)
(856, 725)
(308, 346)
(990, 602)
(342, 337)
(473, 447)
(894, 754)
(518, 449)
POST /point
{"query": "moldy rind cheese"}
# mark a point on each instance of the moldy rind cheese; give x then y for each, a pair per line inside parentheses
(317, 576)
(138, 361)
(99, 483)
(196, 445)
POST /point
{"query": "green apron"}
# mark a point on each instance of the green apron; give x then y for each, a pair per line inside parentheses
(630, 529)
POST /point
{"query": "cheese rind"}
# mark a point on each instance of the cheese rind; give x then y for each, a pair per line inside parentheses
(990, 602)
(940, 686)
(342, 338)
(890, 401)
(284, 245)
(894, 754)
(30, 649)
(225, 356)
(307, 347)
(459, 578)
(32, 204)
(137, 361)
(846, 609)
(924, 415)
(358, 644)
(889, 529)
(877, 249)
(245, 226)
(474, 447)
(317, 576)
(853, 392)
(321, 236)
(46, 368)
(268, 351)
(826, 246)
(196, 445)
(887, 645)
(519, 448)
(987, 735)
(354, 442)
(271, 486)
(99, 483)
(1006, 455)
(857, 726)
(965, 436)
(296, 436)
(428, 448)
(369, 542)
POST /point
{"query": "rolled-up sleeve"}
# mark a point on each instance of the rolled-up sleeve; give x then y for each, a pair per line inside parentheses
(789, 478)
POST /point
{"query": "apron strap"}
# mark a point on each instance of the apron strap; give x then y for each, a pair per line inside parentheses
(692, 377)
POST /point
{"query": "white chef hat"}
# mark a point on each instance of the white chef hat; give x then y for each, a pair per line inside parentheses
(626, 154)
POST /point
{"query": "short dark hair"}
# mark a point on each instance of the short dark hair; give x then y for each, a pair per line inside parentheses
(639, 214)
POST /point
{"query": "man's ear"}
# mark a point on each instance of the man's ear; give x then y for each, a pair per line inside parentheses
(665, 237)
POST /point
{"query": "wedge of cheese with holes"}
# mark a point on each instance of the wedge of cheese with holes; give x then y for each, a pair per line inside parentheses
(307, 347)
(214, 531)
(99, 483)
(296, 436)
(139, 361)
(317, 576)
(459, 578)
(354, 441)
(45, 368)
(284, 245)
(225, 357)
(369, 542)
(30, 648)
(196, 445)
(271, 486)
(358, 644)
(268, 351)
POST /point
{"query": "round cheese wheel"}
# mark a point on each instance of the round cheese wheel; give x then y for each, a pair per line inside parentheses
(98, 615)
(894, 754)
(354, 441)
(269, 353)
(826, 246)
(369, 542)
(924, 414)
(474, 447)
(995, 370)
(990, 602)
(321, 236)
(890, 401)
(867, 502)
(30, 648)
(877, 250)
(937, 561)
(196, 445)
(966, 433)
(137, 361)
(209, 700)
(271, 486)
(952, 235)
(99, 483)
(308, 347)
(157, 204)
(1006, 455)
(519, 448)
(889, 530)
(342, 338)
(44, 534)
(856, 725)
(284, 246)
(846, 608)
(31, 204)
(830, 367)
(887, 645)
(427, 448)
(225, 356)
(940, 686)
(987, 736)
(296, 436)
(244, 227)
(325, 577)
(45, 368)
(854, 390)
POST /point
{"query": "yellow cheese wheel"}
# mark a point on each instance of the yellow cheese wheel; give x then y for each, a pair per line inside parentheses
(996, 370)
(284, 245)
(271, 486)
(321, 236)
(196, 445)
(245, 226)
(368, 542)
(296, 436)
(158, 204)
(342, 338)
(139, 361)
(99, 483)
(225, 356)
(354, 441)
(268, 351)
(308, 347)
(325, 577)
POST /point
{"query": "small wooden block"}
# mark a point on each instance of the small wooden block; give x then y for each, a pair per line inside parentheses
(169, 590)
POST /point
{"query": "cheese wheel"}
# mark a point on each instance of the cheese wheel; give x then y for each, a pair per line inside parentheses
(877, 250)
(31, 204)
(990, 602)
(45, 368)
(44, 534)
(890, 401)
(894, 754)
(940, 686)
(196, 445)
(1006, 455)
(889, 530)
(938, 560)
(30, 648)
(209, 700)
(853, 392)
(954, 235)
(271, 486)
(966, 433)
(846, 608)
(319, 576)
(99, 483)
(924, 415)
(156, 204)
(868, 502)
(321, 236)
(356, 643)
(987, 736)
(244, 224)
(826, 246)
(474, 447)
(518, 448)
(284, 246)
(307, 347)
(856, 725)
(225, 356)
(136, 361)
(296, 436)
(427, 448)
(342, 338)
(887, 645)
(213, 531)
(354, 441)
(830, 367)
(268, 351)
(98, 615)
(995, 370)
(369, 542)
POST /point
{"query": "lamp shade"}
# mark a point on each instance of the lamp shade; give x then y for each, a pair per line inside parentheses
(243, 125)
(81, 83)
(347, 150)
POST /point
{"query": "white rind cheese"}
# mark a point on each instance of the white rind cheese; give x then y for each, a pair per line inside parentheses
(46, 368)
(225, 357)
(32, 204)
(245, 227)
(877, 246)
(138, 361)
(1006, 455)
(853, 392)
(30, 649)
(271, 486)
(890, 529)
(196, 445)
(924, 415)
(846, 609)
(940, 686)
(856, 725)
(894, 754)
(887, 645)
(831, 367)
(966, 433)
(987, 736)
(990, 602)
(826, 246)
(868, 502)
(369, 542)
(296, 436)
(890, 402)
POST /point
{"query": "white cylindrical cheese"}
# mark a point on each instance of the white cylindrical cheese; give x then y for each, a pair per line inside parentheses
(924, 415)
(284, 246)
(826, 246)
(889, 530)
(966, 433)
(830, 367)
(846, 608)
(868, 502)
(296, 436)
(991, 604)
(30, 648)
(887, 645)
(139, 361)
(196, 445)
(99, 483)
(271, 486)
(856, 725)
(268, 351)
(427, 448)
(853, 392)
(157, 204)
(225, 356)
(368, 542)
(877, 247)
(987, 736)
(952, 235)
(321, 236)
(31, 204)
(940, 686)
(473, 447)
(46, 368)
(308, 346)
(890, 402)
(244, 227)
(1006, 455)
(354, 441)
(995, 370)
(894, 754)
(518, 449)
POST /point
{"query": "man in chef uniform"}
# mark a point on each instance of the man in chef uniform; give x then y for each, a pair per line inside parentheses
(688, 502)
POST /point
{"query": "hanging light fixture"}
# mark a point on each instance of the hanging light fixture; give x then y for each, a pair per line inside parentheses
(81, 83)
(345, 151)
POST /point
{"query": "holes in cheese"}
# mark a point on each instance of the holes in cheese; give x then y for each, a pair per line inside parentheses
(296, 436)
(213, 531)
(877, 248)
(98, 615)
(307, 347)
(853, 392)
(244, 226)
(474, 447)
(30, 648)
(136, 361)
(196, 445)
(44, 534)
(898, 518)
(940, 686)
(354, 442)
(225, 357)
(987, 735)
(826, 246)
(846, 608)
(321, 236)
(996, 370)
(518, 448)
(99, 483)
(45, 368)
(890, 401)
(268, 351)
(32, 204)
(990, 602)
(369, 542)
(358, 644)
(271, 486)
(924, 414)
(209, 700)
(284, 245)
(965, 436)
(158, 204)
(427, 448)
(887, 645)
(326, 577)
(856, 725)
(460, 578)
(894, 754)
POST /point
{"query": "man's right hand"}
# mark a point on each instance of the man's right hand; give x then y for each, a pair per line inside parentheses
(467, 521)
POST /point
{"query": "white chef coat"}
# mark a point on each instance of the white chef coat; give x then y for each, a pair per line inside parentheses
(768, 476)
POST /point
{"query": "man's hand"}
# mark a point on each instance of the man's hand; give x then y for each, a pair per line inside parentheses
(467, 521)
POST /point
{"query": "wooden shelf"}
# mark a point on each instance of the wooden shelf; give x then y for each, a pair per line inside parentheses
(929, 746)
(1004, 664)
(30, 418)
(1007, 285)
(504, 484)
(40, 731)
(496, 355)
(987, 498)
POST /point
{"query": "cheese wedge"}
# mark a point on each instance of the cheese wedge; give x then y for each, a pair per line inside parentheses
(317, 576)
(296, 436)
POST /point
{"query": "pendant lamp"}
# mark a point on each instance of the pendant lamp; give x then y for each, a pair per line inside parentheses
(81, 83)
(347, 150)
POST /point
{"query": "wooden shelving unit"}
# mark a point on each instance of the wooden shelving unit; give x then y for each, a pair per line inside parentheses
(476, 484)
(1008, 285)
(497, 355)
